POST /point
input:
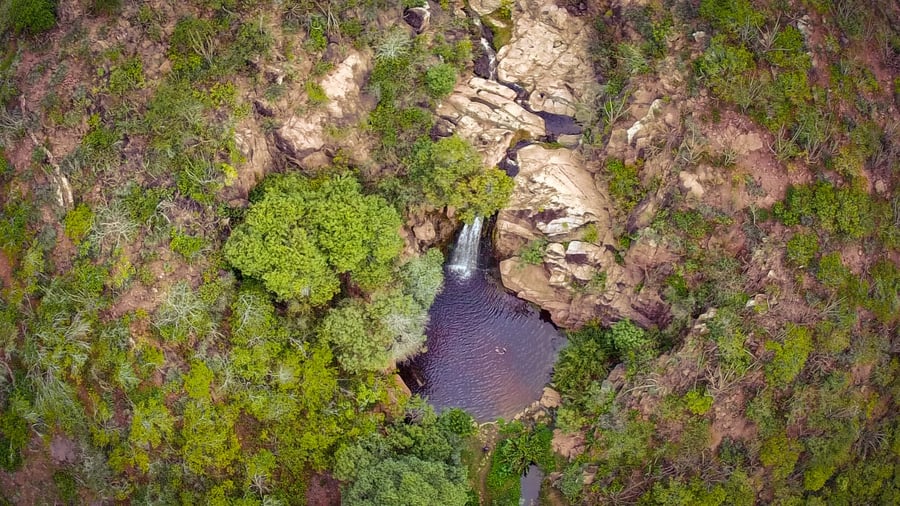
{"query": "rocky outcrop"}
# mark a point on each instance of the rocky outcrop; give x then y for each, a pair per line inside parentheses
(485, 113)
(548, 56)
(556, 200)
(303, 135)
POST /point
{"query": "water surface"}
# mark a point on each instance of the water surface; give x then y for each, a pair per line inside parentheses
(489, 352)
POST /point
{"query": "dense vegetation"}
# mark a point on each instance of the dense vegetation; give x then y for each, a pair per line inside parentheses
(181, 326)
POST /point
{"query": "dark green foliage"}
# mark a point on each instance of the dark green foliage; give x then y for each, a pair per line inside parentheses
(411, 463)
(66, 487)
(301, 234)
(14, 437)
(14, 226)
(845, 211)
(440, 80)
(831, 271)
(30, 16)
(105, 7)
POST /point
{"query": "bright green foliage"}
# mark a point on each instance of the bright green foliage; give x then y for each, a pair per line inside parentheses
(698, 402)
(210, 442)
(423, 277)
(302, 234)
(627, 338)
(533, 252)
(78, 222)
(369, 337)
(30, 16)
(185, 245)
(677, 493)
(412, 464)
(722, 66)
(440, 80)
(452, 173)
(14, 226)
(197, 381)
(780, 453)
(127, 76)
(732, 16)
(788, 51)
(802, 248)
(624, 184)
(831, 271)
(790, 357)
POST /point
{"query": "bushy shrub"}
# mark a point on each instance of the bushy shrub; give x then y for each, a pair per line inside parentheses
(790, 356)
(127, 76)
(802, 248)
(451, 173)
(31, 16)
(78, 222)
(440, 80)
(302, 234)
(624, 184)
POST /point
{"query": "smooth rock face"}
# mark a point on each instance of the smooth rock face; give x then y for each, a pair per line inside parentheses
(548, 56)
(302, 135)
(485, 113)
(418, 18)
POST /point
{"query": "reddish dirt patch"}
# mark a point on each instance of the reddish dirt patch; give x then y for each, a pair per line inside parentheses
(33, 483)
(323, 490)
(5, 271)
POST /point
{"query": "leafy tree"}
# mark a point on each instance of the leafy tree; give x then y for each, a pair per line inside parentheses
(423, 277)
(368, 337)
(452, 173)
(210, 442)
(411, 464)
(302, 234)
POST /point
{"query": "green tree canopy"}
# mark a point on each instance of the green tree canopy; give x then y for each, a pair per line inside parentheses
(301, 234)
(451, 173)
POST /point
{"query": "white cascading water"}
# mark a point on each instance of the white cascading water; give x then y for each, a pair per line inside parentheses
(464, 259)
(492, 58)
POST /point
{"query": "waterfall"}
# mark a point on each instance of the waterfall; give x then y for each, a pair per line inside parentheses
(464, 260)
(491, 59)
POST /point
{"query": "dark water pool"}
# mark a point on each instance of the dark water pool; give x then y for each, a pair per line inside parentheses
(489, 352)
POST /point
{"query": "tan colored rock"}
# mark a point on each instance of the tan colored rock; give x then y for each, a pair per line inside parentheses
(251, 142)
(567, 445)
(691, 184)
(303, 134)
(485, 113)
(425, 232)
(547, 52)
(484, 7)
(550, 398)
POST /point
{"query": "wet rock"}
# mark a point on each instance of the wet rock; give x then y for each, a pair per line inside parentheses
(418, 18)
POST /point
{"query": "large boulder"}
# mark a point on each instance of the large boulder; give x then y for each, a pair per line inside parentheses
(548, 55)
(304, 134)
(485, 113)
